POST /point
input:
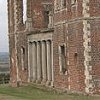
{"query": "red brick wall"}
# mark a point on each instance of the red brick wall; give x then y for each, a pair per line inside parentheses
(37, 13)
(70, 32)
(95, 53)
(22, 42)
(58, 38)
(76, 69)
(74, 44)
(94, 8)
(75, 79)
(74, 31)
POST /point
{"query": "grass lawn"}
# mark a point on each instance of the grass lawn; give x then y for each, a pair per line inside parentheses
(32, 93)
(7, 97)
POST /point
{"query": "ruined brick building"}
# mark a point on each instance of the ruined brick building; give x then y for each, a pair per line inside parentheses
(57, 45)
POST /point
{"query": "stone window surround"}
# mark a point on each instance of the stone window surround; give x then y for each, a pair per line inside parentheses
(63, 4)
(73, 3)
(24, 11)
(48, 7)
(59, 6)
(59, 49)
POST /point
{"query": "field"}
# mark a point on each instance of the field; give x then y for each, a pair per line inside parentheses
(32, 93)
(4, 63)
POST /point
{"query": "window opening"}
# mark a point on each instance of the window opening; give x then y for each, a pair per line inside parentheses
(24, 10)
(46, 18)
(23, 57)
(64, 3)
(62, 59)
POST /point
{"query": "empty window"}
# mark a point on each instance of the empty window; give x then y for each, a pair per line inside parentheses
(62, 59)
(46, 18)
(50, 25)
(48, 14)
(75, 59)
(23, 57)
(63, 3)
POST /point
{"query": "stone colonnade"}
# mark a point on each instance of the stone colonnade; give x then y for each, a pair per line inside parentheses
(40, 62)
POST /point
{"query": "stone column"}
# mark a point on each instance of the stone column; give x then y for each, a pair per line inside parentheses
(44, 69)
(39, 69)
(52, 68)
(34, 61)
(30, 69)
(49, 69)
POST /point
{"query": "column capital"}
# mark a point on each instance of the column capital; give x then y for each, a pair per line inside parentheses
(38, 42)
(48, 41)
(43, 41)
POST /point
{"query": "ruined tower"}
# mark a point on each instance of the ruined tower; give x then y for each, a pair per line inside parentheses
(57, 45)
(27, 39)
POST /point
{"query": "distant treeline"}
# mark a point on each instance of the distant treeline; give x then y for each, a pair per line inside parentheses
(4, 57)
(4, 69)
(4, 62)
(4, 78)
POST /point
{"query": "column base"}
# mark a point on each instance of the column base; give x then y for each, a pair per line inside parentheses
(34, 81)
(30, 79)
(52, 84)
(43, 82)
(48, 83)
(38, 81)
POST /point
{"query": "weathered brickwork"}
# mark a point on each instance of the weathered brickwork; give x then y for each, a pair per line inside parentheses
(57, 46)
(95, 53)
(71, 35)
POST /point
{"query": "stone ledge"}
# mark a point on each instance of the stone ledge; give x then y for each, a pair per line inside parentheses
(37, 31)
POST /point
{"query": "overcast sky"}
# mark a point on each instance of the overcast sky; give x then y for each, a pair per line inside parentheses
(3, 26)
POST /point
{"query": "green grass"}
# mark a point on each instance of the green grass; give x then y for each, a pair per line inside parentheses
(32, 93)
(7, 97)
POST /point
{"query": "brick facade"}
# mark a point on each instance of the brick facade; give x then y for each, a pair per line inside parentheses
(75, 28)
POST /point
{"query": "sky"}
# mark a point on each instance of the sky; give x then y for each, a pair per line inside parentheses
(3, 26)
